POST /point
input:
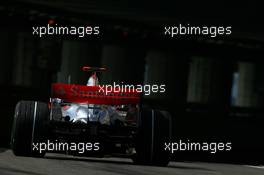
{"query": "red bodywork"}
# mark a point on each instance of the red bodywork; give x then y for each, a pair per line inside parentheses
(94, 94)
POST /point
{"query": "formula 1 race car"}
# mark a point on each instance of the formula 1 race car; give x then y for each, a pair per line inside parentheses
(91, 120)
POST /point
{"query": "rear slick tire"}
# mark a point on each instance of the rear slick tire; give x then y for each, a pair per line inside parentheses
(153, 132)
(29, 127)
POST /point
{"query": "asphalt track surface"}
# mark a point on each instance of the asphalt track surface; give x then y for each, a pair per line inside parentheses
(56, 164)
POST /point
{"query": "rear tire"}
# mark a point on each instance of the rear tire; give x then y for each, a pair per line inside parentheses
(154, 131)
(29, 126)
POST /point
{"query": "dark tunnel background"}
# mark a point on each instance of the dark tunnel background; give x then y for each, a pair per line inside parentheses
(214, 86)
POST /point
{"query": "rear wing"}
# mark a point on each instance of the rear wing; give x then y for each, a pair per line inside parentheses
(94, 94)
